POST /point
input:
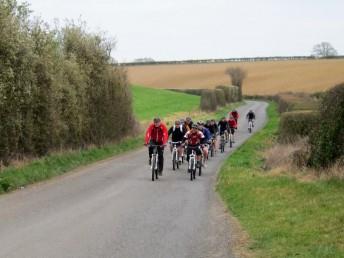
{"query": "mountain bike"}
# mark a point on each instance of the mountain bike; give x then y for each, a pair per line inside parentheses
(212, 146)
(222, 142)
(155, 162)
(175, 155)
(231, 138)
(250, 125)
(193, 163)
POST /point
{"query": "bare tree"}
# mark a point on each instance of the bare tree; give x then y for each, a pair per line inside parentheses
(324, 49)
(237, 76)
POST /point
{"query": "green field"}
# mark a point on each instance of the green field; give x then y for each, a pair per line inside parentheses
(150, 103)
(283, 216)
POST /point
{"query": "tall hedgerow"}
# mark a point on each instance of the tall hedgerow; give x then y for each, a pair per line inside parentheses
(327, 143)
(58, 87)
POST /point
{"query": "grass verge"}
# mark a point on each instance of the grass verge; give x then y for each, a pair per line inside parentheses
(283, 216)
(12, 178)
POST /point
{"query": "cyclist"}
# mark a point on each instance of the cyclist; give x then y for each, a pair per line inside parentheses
(223, 127)
(251, 116)
(206, 140)
(188, 123)
(193, 139)
(178, 131)
(232, 125)
(235, 114)
(212, 127)
(157, 134)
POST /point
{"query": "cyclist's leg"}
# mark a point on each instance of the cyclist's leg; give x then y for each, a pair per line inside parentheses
(199, 154)
(161, 158)
(150, 153)
(188, 152)
(205, 152)
(180, 152)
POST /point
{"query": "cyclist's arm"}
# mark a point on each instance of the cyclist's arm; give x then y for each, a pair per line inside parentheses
(165, 134)
(148, 134)
(170, 131)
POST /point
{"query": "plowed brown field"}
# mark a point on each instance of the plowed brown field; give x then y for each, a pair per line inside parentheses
(268, 77)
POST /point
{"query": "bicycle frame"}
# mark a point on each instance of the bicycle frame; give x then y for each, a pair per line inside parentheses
(175, 154)
(155, 160)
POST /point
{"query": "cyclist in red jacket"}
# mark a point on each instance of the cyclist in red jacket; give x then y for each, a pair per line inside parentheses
(194, 138)
(232, 124)
(157, 134)
(235, 115)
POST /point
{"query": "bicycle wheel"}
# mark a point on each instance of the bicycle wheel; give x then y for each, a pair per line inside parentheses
(191, 169)
(199, 169)
(177, 161)
(153, 166)
(174, 160)
(230, 141)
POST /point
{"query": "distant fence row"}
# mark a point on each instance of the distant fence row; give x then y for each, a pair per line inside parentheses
(227, 60)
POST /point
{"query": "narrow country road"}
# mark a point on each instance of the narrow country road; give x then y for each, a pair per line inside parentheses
(113, 209)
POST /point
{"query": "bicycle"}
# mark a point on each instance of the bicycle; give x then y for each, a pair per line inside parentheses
(250, 125)
(155, 162)
(193, 164)
(231, 138)
(212, 146)
(222, 143)
(175, 155)
(227, 135)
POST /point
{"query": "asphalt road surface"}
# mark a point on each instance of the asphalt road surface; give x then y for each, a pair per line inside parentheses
(113, 209)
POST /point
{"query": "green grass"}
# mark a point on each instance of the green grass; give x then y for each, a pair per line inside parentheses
(283, 216)
(150, 103)
(11, 178)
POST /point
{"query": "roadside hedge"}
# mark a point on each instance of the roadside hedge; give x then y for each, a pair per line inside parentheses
(327, 143)
(208, 100)
(296, 124)
(58, 88)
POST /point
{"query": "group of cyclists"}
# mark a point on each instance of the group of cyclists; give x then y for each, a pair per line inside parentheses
(189, 136)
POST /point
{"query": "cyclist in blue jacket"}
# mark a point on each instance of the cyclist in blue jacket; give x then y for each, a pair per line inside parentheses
(206, 140)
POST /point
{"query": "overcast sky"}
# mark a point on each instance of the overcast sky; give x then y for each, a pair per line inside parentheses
(196, 29)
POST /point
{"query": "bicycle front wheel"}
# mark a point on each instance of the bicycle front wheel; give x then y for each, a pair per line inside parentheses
(153, 167)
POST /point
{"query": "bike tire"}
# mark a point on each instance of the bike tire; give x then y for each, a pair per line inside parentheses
(153, 168)
(174, 161)
(191, 169)
(200, 170)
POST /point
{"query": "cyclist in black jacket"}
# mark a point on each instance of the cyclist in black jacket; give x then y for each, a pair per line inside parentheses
(178, 132)
(223, 126)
